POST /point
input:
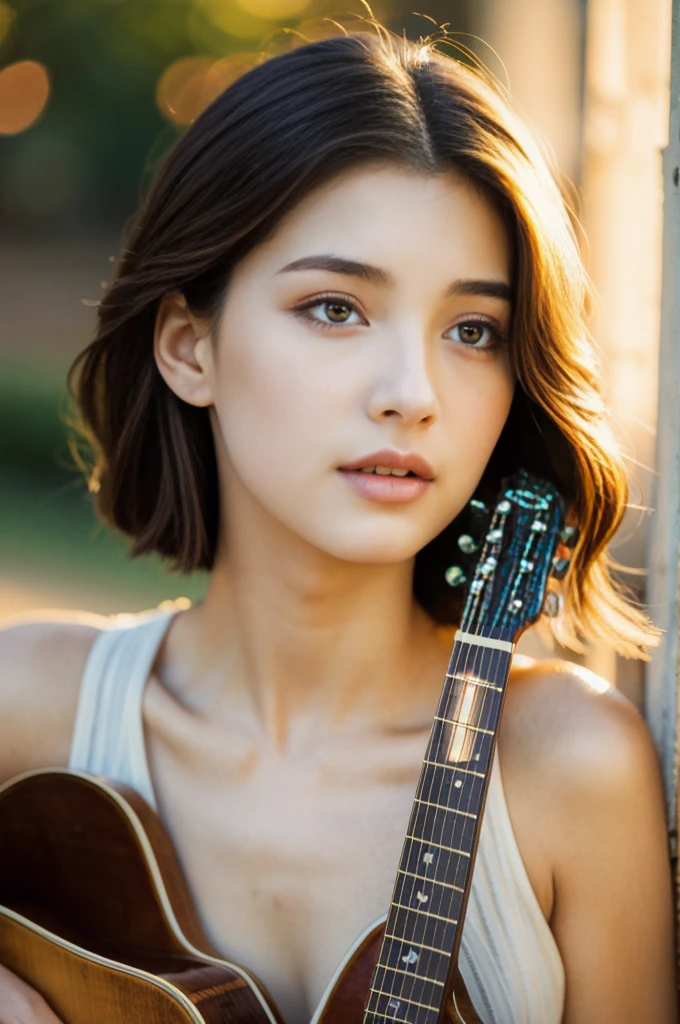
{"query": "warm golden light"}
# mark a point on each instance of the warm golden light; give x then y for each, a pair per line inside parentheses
(234, 20)
(191, 84)
(7, 16)
(326, 27)
(179, 93)
(24, 89)
(274, 9)
(461, 741)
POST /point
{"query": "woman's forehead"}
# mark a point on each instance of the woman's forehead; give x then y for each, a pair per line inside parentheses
(388, 219)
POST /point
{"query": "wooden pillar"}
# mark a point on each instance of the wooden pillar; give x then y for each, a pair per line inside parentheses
(661, 690)
(625, 127)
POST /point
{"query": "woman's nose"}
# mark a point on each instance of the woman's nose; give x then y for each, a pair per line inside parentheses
(404, 384)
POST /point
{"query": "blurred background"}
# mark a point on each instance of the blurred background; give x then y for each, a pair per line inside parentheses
(92, 95)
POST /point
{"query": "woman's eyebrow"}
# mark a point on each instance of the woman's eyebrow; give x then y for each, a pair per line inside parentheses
(378, 276)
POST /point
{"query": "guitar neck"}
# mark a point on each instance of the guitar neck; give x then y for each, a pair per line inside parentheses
(423, 930)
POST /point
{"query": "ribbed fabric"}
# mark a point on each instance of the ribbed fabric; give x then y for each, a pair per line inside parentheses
(508, 959)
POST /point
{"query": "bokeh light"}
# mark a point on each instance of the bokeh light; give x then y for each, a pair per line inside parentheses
(179, 91)
(7, 16)
(234, 20)
(24, 90)
(274, 9)
(191, 84)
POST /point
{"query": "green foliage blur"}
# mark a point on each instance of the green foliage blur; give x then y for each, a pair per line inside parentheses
(79, 172)
(84, 161)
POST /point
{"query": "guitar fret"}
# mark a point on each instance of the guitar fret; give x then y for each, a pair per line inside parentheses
(424, 942)
(443, 807)
(411, 974)
(403, 999)
(454, 768)
(425, 913)
(474, 682)
(429, 842)
(420, 945)
(388, 1016)
(412, 874)
(463, 725)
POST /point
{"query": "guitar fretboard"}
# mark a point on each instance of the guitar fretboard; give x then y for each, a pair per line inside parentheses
(425, 919)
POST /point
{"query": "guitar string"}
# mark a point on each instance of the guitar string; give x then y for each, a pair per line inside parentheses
(553, 521)
(494, 659)
(462, 656)
(470, 650)
(406, 852)
(552, 516)
(446, 714)
(469, 655)
(477, 652)
(478, 713)
(479, 705)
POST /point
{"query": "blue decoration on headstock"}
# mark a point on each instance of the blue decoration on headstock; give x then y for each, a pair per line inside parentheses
(516, 556)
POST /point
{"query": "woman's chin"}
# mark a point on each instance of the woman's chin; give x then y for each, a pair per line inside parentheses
(377, 550)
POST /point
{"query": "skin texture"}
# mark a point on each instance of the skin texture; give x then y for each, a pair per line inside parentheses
(287, 713)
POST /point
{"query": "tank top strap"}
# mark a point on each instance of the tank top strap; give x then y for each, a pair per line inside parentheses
(108, 735)
(508, 957)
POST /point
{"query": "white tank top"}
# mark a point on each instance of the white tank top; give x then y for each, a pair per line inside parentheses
(509, 960)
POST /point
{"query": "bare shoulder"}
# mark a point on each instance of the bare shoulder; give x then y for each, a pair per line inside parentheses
(577, 729)
(587, 783)
(42, 658)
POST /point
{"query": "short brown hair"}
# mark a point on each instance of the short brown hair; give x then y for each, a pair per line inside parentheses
(287, 125)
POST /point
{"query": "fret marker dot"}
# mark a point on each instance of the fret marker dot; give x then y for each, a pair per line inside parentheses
(394, 1004)
(428, 857)
(410, 957)
(421, 897)
(458, 783)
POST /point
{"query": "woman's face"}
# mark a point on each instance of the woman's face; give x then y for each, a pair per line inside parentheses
(402, 346)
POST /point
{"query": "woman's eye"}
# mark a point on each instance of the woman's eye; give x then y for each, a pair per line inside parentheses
(337, 312)
(473, 332)
(475, 335)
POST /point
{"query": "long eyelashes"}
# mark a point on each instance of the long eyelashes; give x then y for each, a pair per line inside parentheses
(499, 338)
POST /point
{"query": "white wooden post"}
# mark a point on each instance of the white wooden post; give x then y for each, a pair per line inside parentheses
(661, 687)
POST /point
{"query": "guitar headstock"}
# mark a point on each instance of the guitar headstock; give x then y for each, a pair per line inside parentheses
(524, 542)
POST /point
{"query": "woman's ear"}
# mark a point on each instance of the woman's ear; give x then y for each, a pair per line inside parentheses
(183, 351)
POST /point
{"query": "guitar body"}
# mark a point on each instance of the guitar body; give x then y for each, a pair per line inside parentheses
(95, 915)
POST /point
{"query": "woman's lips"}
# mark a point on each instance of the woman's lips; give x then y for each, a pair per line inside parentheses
(387, 489)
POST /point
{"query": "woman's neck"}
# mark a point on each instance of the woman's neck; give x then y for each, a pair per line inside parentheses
(311, 644)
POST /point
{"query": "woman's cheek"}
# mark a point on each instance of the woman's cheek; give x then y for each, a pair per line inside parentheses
(276, 428)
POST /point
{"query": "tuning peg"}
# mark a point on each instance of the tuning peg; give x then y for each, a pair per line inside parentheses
(569, 536)
(552, 604)
(559, 568)
(454, 576)
(467, 544)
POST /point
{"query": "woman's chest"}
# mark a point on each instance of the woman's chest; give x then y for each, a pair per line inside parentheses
(287, 862)
(289, 859)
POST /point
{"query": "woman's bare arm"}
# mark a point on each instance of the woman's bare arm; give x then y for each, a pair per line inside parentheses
(41, 665)
(613, 898)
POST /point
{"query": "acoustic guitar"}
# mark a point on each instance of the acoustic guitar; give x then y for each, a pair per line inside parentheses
(94, 910)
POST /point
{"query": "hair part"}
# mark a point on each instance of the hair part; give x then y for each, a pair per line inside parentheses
(289, 125)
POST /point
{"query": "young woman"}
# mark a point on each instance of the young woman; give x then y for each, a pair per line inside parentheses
(356, 257)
